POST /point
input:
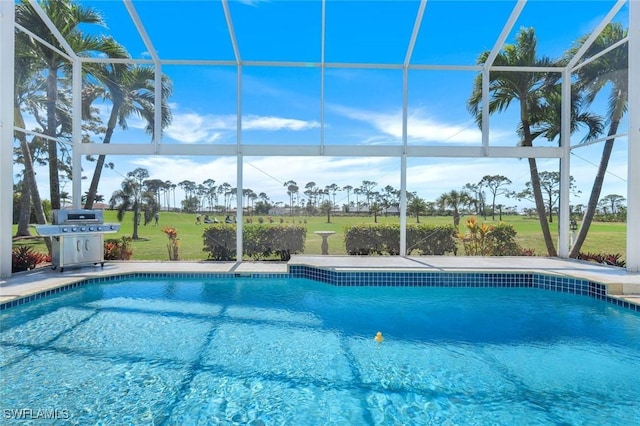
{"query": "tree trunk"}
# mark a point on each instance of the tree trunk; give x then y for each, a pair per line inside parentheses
(590, 212)
(535, 181)
(493, 208)
(136, 220)
(25, 210)
(30, 176)
(95, 180)
(540, 208)
(54, 178)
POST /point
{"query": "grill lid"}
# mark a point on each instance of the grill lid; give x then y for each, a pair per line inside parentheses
(61, 217)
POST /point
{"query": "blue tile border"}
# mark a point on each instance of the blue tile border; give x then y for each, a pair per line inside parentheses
(536, 280)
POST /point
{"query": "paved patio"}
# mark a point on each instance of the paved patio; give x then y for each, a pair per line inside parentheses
(620, 283)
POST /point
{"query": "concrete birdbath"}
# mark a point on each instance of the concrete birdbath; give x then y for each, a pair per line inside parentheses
(325, 243)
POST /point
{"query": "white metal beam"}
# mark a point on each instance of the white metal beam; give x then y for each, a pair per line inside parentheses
(322, 51)
(7, 59)
(76, 131)
(232, 33)
(56, 33)
(486, 70)
(238, 146)
(133, 13)
(595, 33)
(598, 140)
(44, 42)
(269, 150)
(148, 43)
(600, 53)
(565, 170)
(508, 26)
(414, 33)
(633, 178)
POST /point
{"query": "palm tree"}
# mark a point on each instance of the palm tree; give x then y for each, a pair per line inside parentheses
(224, 190)
(454, 200)
(348, 188)
(416, 206)
(131, 91)
(527, 88)
(608, 71)
(68, 17)
(357, 192)
(131, 196)
(292, 189)
(26, 95)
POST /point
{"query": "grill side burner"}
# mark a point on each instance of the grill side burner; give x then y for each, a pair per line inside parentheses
(77, 237)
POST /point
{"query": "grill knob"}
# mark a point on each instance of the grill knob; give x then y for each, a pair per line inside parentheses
(65, 229)
(74, 229)
(91, 228)
(99, 228)
(112, 227)
(82, 228)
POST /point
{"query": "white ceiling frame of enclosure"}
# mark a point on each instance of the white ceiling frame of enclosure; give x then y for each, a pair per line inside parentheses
(401, 152)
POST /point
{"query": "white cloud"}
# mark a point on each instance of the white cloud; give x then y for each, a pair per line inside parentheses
(254, 122)
(420, 127)
(192, 127)
(196, 128)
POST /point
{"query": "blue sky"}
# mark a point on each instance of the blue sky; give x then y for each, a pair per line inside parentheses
(364, 107)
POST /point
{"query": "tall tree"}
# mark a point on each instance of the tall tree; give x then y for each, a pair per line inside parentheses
(292, 189)
(550, 184)
(27, 95)
(132, 196)
(525, 87)
(347, 188)
(367, 189)
(613, 201)
(497, 186)
(609, 71)
(478, 200)
(131, 92)
(68, 17)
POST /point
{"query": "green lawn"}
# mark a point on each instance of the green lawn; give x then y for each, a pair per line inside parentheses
(152, 245)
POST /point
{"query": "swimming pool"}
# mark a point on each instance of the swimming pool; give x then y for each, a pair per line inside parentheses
(295, 351)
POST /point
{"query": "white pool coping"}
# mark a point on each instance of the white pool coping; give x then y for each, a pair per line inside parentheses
(620, 283)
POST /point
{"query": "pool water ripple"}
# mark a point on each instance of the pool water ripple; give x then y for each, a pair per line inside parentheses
(294, 351)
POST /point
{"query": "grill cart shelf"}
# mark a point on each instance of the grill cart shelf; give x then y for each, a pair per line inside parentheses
(77, 237)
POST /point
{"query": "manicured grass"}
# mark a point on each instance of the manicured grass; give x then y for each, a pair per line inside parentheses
(152, 245)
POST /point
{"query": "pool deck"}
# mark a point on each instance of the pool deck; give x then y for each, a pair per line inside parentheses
(620, 283)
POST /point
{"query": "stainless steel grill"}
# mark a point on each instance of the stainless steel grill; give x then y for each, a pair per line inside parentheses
(77, 237)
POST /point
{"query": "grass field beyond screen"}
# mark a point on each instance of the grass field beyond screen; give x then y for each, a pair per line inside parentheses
(152, 245)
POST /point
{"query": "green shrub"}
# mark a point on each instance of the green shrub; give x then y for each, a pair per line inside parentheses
(363, 239)
(501, 241)
(288, 240)
(431, 240)
(259, 241)
(367, 239)
(220, 241)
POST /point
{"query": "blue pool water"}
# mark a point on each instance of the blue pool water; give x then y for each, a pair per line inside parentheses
(299, 352)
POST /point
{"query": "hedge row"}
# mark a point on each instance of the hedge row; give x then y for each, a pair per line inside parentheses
(368, 239)
(259, 241)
